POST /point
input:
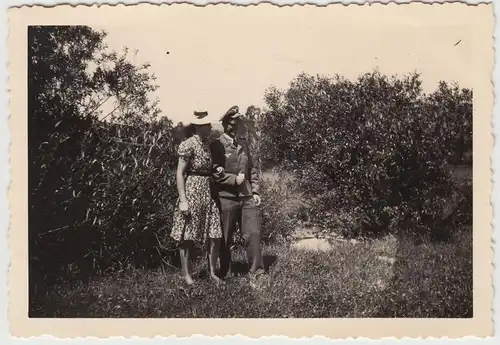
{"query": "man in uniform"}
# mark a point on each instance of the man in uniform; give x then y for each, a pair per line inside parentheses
(238, 192)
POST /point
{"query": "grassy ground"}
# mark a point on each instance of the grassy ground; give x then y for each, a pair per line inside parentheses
(383, 278)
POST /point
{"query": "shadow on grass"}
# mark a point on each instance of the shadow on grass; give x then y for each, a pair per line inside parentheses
(241, 267)
(269, 260)
(431, 280)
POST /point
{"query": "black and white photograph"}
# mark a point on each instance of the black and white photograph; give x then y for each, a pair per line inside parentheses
(257, 162)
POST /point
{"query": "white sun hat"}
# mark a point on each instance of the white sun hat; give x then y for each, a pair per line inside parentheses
(200, 117)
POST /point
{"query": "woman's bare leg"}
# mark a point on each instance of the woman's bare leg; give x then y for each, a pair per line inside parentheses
(185, 252)
(212, 257)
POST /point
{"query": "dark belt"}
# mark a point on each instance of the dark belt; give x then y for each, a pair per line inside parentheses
(199, 173)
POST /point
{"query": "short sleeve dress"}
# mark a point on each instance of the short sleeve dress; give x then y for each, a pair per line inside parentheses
(204, 219)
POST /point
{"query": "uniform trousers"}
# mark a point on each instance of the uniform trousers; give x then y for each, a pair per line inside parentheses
(241, 211)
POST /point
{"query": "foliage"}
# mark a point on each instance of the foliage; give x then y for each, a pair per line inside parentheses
(133, 192)
(281, 208)
(100, 180)
(372, 155)
(253, 135)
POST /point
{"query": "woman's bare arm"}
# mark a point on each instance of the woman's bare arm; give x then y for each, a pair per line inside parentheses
(181, 169)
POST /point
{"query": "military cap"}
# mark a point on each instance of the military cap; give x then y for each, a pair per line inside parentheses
(232, 113)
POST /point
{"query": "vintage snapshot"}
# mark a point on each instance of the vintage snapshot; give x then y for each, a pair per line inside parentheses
(312, 170)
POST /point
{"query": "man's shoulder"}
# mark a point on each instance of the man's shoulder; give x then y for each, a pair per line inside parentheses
(217, 144)
(225, 139)
(215, 140)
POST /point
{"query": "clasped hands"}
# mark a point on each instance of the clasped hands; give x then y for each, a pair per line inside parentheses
(219, 172)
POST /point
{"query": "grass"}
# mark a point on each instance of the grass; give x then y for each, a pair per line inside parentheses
(381, 278)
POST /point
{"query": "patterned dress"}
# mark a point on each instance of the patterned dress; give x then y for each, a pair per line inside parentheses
(204, 217)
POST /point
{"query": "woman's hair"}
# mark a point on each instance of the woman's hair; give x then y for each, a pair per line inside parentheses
(189, 131)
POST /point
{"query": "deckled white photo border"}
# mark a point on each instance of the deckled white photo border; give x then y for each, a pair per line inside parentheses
(5, 139)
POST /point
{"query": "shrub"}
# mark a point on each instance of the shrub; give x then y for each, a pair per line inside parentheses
(372, 154)
(279, 211)
(100, 183)
(133, 195)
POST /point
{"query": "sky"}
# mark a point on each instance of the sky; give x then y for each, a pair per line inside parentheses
(215, 57)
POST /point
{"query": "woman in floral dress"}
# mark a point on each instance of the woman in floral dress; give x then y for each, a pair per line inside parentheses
(197, 217)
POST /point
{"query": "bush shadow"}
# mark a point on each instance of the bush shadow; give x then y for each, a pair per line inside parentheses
(431, 279)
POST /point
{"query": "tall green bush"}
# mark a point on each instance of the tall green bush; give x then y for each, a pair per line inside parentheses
(100, 182)
(373, 154)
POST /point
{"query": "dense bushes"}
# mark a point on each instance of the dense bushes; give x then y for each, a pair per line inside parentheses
(101, 192)
(280, 209)
(374, 154)
(119, 195)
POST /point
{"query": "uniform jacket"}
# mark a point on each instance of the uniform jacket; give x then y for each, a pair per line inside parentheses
(234, 160)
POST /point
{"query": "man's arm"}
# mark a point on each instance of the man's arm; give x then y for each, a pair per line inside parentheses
(254, 173)
(217, 150)
(227, 179)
